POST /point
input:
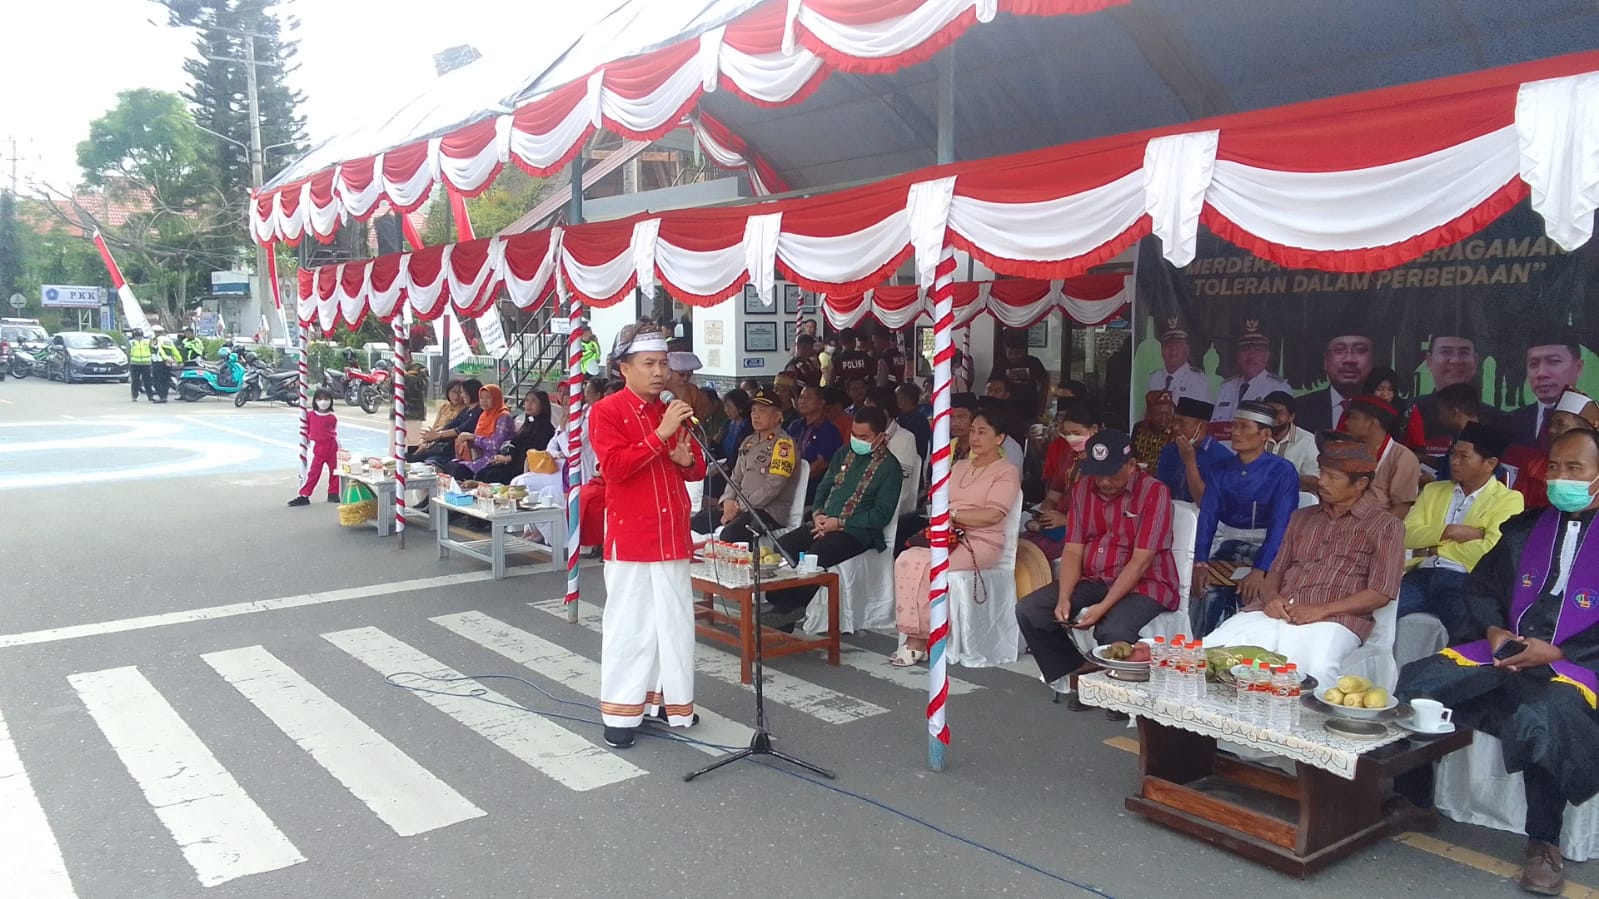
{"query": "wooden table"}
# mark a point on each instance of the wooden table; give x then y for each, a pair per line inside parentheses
(1296, 823)
(713, 624)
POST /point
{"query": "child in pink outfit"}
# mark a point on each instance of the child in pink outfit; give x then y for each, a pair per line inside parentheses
(323, 428)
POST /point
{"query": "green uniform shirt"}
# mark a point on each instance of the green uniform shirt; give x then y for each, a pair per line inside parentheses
(878, 505)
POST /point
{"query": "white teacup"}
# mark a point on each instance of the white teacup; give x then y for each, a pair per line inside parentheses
(1430, 714)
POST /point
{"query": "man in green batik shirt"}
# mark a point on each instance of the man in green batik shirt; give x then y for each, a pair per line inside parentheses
(857, 497)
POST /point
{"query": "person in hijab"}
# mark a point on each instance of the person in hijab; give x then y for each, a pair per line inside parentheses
(495, 427)
(534, 433)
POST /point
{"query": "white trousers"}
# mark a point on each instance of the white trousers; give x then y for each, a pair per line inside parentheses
(1318, 649)
(647, 643)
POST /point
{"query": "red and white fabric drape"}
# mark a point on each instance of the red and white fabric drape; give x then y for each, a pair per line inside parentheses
(1020, 303)
(776, 54)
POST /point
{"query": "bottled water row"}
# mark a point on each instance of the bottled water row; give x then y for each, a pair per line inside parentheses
(1265, 695)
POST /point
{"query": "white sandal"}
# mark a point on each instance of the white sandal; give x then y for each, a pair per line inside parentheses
(905, 657)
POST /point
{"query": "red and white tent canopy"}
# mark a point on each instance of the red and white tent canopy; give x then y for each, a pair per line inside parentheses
(1352, 183)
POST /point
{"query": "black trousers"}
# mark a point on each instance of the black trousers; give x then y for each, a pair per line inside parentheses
(908, 527)
(160, 378)
(829, 549)
(736, 531)
(437, 452)
(1547, 730)
(139, 381)
(1051, 642)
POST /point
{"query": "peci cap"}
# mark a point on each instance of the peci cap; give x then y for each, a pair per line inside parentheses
(1284, 399)
(1188, 407)
(1484, 439)
(1105, 454)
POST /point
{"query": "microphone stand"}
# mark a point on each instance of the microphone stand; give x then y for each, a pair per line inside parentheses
(761, 740)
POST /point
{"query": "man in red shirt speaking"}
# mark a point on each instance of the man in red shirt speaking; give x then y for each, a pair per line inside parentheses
(646, 456)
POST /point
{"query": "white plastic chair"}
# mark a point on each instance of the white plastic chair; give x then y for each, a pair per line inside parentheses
(796, 509)
(865, 586)
(984, 635)
(1184, 530)
(1374, 659)
(1473, 787)
(1307, 500)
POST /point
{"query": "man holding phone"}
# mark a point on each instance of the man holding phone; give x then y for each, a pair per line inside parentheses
(1532, 676)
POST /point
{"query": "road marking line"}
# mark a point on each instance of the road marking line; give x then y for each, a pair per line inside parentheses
(1125, 744)
(912, 678)
(403, 794)
(796, 693)
(544, 745)
(29, 853)
(240, 432)
(143, 622)
(1483, 862)
(577, 673)
(219, 828)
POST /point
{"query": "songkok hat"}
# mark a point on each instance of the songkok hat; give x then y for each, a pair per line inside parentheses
(1377, 408)
(1173, 331)
(764, 397)
(1252, 335)
(1284, 399)
(1105, 454)
(1259, 413)
(1573, 401)
(1347, 456)
(683, 362)
(1158, 398)
(1188, 407)
(1485, 440)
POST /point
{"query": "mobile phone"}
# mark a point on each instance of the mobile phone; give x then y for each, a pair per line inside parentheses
(1510, 648)
(1240, 573)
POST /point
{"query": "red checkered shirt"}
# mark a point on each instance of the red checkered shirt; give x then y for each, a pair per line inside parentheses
(1110, 528)
(647, 507)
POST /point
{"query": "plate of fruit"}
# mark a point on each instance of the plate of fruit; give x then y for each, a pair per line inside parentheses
(1356, 697)
(1122, 656)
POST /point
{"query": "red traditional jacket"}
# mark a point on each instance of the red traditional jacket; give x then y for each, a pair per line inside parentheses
(647, 507)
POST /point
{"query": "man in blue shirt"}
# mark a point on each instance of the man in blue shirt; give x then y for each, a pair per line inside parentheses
(1182, 464)
(816, 435)
(1248, 501)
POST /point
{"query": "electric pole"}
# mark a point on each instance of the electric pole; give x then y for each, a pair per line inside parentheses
(257, 178)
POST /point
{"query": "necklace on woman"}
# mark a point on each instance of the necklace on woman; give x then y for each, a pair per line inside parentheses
(967, 476)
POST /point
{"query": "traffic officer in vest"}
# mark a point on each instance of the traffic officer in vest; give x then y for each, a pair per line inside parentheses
(766, 470)
(140, 353)
(192, 346)
(162, 361)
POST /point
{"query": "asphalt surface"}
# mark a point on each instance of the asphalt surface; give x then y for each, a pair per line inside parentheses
(152, 752)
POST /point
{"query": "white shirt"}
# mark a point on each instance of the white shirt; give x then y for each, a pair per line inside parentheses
(902, 444)
(1299, 447)
(1258, 388)
(1185, 381)
(1013, 455)
(1459, 505)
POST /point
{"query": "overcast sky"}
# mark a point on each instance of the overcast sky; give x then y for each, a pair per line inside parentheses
(65, 60)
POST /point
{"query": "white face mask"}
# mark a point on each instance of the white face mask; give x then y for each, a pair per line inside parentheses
(324, 405)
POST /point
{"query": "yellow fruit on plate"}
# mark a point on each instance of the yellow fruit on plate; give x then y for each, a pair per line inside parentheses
(1376, 698)
(1351, 684)
(1354, 700)
(1333, 696)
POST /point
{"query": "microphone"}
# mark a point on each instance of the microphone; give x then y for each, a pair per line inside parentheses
(668, 396)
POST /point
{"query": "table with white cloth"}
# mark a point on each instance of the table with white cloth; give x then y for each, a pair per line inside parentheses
(501, 518)
(1332, 804)
(383, 487)
(737, 628)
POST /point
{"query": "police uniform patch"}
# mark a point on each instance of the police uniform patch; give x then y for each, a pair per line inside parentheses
(783, 456)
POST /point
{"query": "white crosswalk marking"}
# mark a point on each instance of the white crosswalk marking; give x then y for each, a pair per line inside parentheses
(812, 699)
(30, 859)
(576, 672)
(567, 758)
(913, 678)
(221, 831)
(403, 794)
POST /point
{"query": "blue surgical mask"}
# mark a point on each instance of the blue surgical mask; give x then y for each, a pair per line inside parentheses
(1569, 495)
(862, 448)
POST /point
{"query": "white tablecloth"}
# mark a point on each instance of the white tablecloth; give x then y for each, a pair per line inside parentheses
(1309, 743)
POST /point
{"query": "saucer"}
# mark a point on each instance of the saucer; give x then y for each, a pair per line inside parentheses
(1446, 730)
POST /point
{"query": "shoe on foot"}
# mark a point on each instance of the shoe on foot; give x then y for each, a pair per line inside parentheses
(782, 618)
(660, 715)
(1077, 705)
(333, 497)
(620, 737)
(1544, 872)
(300, 501)
(1113, 715)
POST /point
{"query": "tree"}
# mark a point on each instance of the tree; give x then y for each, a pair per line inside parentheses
(217, 90)
(11, 253)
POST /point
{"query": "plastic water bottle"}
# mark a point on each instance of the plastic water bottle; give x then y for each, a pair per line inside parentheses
(1263, 694)
(1292, 691)
(1242, 684)
(1196, 694)
(1159, 667)
(1249, 708)
(1177, 683)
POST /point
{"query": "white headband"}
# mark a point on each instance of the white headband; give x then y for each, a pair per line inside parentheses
(1259, 418)
(652, 342)
(1573, 402)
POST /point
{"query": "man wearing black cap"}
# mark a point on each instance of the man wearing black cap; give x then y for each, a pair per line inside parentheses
(767, 470)
(1452, 525)
(1292, 442)
(1177, 375)
(1116, 570)
(1192, 450)
(1398, 479)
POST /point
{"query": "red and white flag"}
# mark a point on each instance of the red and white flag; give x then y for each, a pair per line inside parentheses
(132, 312)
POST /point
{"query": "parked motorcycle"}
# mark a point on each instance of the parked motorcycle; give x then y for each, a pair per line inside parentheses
(371, 386)
(340, 383)
(197, 382)
(26, 360)
(261, 382)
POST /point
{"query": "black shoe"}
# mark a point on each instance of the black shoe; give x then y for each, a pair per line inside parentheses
(774, 617)
(333, 497)
(1113, 715)
(1077, 705)
(620, 737)
(660, 715)
(300, 501)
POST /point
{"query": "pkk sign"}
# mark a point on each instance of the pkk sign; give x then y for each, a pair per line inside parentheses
(1504, 310)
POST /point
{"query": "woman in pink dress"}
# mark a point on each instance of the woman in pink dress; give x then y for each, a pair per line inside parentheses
(982, 489)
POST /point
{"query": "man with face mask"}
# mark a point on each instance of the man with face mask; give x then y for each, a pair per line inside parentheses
(1531, 675)
(857, 497)
(1292, 442)
(1248, 501)
(1190, 452)
(643, 445)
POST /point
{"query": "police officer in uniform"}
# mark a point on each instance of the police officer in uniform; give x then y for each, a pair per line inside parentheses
(193, 347)
(1177, 375)
(140, 354)
(162, 359)
(766, 470)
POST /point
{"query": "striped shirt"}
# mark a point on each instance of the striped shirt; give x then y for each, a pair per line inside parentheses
(1109, 529)
(646, 503)
(1326, 556)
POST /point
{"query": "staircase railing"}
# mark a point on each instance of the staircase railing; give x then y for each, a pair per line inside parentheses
(535, 355)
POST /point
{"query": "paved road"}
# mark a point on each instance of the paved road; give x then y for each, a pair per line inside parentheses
(193, 702)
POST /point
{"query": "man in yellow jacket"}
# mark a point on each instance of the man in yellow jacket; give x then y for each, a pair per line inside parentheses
(1452, 525)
